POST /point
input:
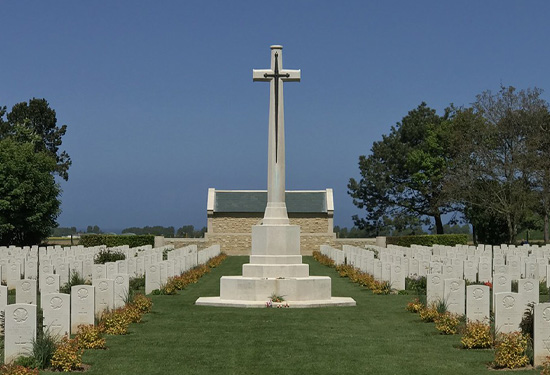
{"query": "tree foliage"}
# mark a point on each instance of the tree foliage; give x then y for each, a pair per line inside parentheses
(188, 231)
(35, 122)
(155, 230)
(403, 177)
(489, 161)
(28, 194)
(498, 167)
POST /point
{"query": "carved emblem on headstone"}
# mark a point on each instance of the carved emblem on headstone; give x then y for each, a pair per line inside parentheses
(119, 279)
(56, 303)
(26, 286)
(436, 279)
(478, 293)
(529, 286)
(103, 286)
(82, 293)
(502, 280)
(454, 286)
(20, 315)
(546, 314)
(508, 302)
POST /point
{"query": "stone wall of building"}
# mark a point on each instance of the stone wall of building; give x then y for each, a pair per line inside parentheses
(243, 222)
(241, 243)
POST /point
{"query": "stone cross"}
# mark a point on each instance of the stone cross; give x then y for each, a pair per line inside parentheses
(275, 212)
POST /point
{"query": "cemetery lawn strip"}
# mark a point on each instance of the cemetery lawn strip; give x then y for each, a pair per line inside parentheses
(376, 337)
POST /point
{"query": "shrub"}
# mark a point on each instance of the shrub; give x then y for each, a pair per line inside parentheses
(142, 303)
(137, 283)
(90, 337)
(477, 335)
(133, 313)
(545, 367)
(415, 306)
(527, 324)
(428, 240)
(26, 361)
(105, 256)
(447, 323)
(416, 284)
(68, 355)
(216, 261)
(381, 287)
(89, 240)
(323, 259)
(115, 322)
(14, 369)
(510, 349)
(428, 313)
(75, 279)
(43, 349)
(543, 289)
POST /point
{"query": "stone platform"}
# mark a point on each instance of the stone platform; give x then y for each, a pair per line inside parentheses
(218, 302)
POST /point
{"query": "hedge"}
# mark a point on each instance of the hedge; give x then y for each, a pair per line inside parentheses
(112, 240)
(428, 240)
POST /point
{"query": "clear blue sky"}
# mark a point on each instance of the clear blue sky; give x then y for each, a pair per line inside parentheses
(160, 104)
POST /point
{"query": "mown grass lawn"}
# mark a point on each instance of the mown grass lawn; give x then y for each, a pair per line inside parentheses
(376, 337)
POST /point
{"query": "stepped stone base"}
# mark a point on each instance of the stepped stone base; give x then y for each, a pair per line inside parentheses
(275, 268)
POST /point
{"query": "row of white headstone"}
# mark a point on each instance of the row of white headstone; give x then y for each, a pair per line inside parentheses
(448, 268)
(63, 313)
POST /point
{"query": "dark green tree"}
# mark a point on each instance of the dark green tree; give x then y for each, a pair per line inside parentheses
(493, 172)
(29, 204)
(36, 122)
(404, 174)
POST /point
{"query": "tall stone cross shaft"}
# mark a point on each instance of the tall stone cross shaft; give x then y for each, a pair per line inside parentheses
(275, 212)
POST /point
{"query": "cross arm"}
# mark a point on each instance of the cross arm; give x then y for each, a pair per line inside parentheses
(259, 74)
(293, 75)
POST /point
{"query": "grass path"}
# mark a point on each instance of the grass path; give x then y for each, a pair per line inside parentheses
(376, 337)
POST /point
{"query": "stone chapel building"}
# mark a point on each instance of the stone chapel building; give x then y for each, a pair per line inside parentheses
(232, 213)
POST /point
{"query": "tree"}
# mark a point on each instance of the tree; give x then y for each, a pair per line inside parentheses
(493, 172)
(188, 231)
(403, 177)
(93, 229)
(28, 194)
(64, 231)
(36, 122)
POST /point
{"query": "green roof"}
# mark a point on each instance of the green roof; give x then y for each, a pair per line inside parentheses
(255, 201)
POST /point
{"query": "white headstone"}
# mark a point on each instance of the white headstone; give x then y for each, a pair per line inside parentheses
(541, 340)
(25, 291)
(455, 296)
(508, 312)
(57, 307)
(477, 303)
(104, 295)
(20, 330)
(435, 288)
(152, 278)
(82, 306)
(122, 288)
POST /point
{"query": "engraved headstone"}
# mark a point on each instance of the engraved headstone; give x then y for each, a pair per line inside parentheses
(508, 312)
(20, 330)
(104, 295)
(477, 303)
(455, 296)
(25, 291)
(82, 306)
(435, 288)
(541, 339)
(56, 307)
(122, 287)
